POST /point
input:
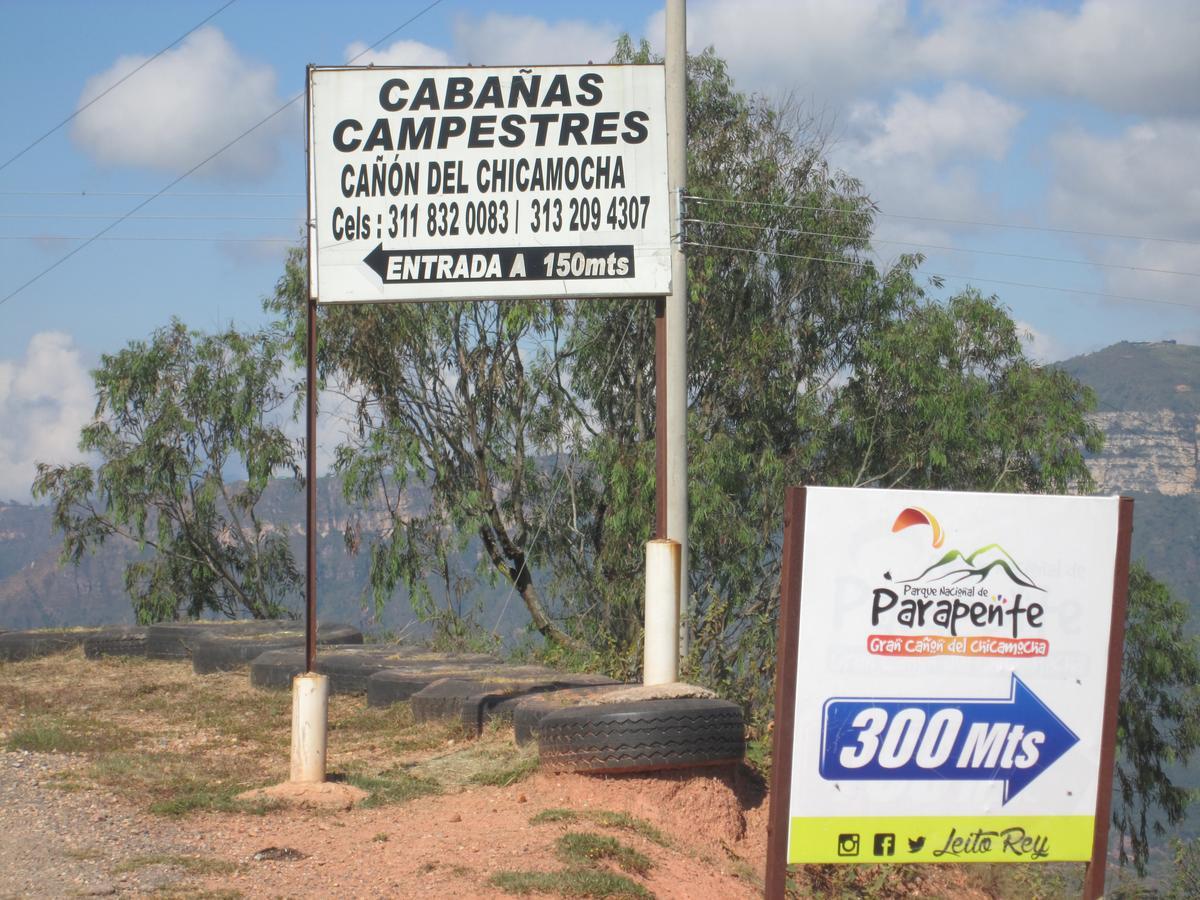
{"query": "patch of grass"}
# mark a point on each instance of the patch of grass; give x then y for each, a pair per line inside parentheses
(392, 787)
(493, 759)
(45, 737)
(758, 754)
(87, 854)
(201, 796)
(58, 733)
(67, 782)
(605, 819)
(178, 786)
(626, 822)
(582, 848)
(509, 771)
(372, 720)
(571, 883)
(192, 892)
(555, 814)
(193, 865)
(381, 837)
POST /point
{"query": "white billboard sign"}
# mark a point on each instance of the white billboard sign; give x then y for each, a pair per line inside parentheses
(951, 676)
(478, 183)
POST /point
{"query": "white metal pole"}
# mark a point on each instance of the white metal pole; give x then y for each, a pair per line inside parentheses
(661, 660)
(310, 717)
(676, 306)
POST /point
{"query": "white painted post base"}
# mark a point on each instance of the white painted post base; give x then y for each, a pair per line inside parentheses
(310, 717)
(661, 663)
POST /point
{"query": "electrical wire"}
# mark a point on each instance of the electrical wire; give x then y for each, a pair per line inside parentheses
(875, 240)
(832, 209)
(140, 206)
(969, 278)
(171, 218)
(84, 237)
(205, 194)
(118, 83)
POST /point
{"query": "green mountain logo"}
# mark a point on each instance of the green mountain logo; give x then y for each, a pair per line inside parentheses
(959, 567)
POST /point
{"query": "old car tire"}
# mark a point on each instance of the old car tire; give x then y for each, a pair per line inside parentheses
(222, 652)
(126, 640)
(642, 735)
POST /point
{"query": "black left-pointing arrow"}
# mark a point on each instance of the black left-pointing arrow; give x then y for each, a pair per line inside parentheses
(377, 259)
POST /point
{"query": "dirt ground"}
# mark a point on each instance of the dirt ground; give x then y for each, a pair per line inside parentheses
(122, 777)
(449, 846)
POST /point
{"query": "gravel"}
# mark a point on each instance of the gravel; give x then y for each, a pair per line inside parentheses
(57, 843)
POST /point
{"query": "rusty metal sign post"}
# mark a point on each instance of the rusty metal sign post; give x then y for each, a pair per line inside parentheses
(948, 689)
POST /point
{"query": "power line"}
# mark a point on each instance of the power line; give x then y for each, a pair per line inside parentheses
(117, 84)
(875, 240)
(84, 237)
(103, 231)
(968, 278)
(204, 194)
(833, 209)
(169, 218)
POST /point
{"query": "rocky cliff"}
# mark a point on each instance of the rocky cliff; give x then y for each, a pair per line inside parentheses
(1152, 451)
(1149, 409)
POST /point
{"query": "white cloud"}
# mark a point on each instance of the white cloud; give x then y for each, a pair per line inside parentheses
(401, 53)
(182, 107)
(45, 399)
(1141, 181)
(1130, 57)
(1149, 274)
(960, 121)
(498, 40)
(826, 49)
(1040, 346)
(918, 154)
(336, 419)
(1116, 54)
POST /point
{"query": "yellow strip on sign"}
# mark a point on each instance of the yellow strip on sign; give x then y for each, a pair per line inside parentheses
(940, 839)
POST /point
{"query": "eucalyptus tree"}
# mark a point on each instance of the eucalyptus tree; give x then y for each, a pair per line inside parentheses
(188, 434)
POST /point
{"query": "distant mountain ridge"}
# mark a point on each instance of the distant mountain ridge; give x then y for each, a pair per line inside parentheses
(1149, 410)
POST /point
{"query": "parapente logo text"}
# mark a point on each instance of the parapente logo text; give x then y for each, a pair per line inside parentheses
(956, 612)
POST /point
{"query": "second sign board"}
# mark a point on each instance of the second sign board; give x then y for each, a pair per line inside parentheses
(951, 676)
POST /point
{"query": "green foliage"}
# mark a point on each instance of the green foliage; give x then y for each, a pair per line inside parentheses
(1158, 722)
(1185, 875)
(174, 416)
(464, 400)
(583, 848)
(392, 787)
(1142, 376)
(595, 883)
(44, 737)
(605, 819)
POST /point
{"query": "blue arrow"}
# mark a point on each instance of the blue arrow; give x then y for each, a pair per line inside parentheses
(1012, 739)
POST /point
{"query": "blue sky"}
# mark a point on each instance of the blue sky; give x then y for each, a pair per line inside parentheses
(1082, 117)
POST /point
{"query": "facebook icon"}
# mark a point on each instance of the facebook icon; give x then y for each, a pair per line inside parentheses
(885, 844)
